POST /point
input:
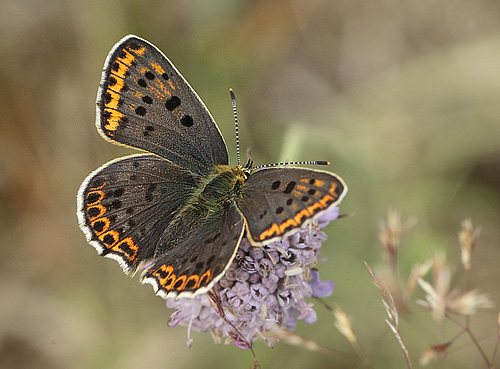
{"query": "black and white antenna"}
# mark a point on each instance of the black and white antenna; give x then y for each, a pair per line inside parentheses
(249, 166)
(315, 162)
(233, 102)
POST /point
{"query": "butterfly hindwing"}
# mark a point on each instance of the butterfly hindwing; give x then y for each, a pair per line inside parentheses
(200, 259)
(277, 201)
(144, 102)
(124, 206)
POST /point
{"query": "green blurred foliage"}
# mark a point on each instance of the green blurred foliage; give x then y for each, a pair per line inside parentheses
(401, 96)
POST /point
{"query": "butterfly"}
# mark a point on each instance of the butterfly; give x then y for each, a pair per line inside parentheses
(178, 211)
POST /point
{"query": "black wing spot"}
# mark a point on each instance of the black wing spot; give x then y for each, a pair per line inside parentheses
(289, 201)
(99, 226)
(279, 210)
(304, 199)
(275, 185)
(140, 110)
(289, 187)
(108, 239)
(112, 81)
(311, 192)
(92, 197)
(118, 192)
(165, 76)
(178, 284)
(147, 99)
(187, 121)
(142, 82)
(210, 260)
(172, 103)
(191, 283)
(149, 75)
(107, 98)
(93, 212)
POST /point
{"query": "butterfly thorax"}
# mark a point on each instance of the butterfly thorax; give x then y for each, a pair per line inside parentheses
(213, 194)
(222, 187)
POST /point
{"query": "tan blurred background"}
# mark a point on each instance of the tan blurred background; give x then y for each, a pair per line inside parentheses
(401, 96)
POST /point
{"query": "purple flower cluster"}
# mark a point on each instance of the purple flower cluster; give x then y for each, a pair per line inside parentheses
(264, 288)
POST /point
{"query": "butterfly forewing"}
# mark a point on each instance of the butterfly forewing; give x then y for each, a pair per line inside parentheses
(277, 201)
(125, 205)
(145, 102)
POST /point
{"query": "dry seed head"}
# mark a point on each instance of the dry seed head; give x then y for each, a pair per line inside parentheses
(391, 232)
(467, 237)
(441, 273)
(418, 271)
(454, 302)
(433, 300)
(468, 303)
(432, 352)
(390, 235)
(343, 324)
(280, 334)
(437, 293)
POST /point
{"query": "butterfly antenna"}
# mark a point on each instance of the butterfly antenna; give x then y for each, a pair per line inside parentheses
(250, 161)
(316, 162)
(233, 102)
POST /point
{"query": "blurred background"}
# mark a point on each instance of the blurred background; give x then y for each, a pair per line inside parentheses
(401, 96)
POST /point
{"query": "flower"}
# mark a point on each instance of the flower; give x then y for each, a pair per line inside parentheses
(264, 288)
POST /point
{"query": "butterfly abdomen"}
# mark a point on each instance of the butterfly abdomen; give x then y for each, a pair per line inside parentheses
(208, 204)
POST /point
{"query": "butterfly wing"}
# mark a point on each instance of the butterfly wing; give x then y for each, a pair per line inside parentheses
(124, 206)
(144, 102)
(277, 201)
(202, 256)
